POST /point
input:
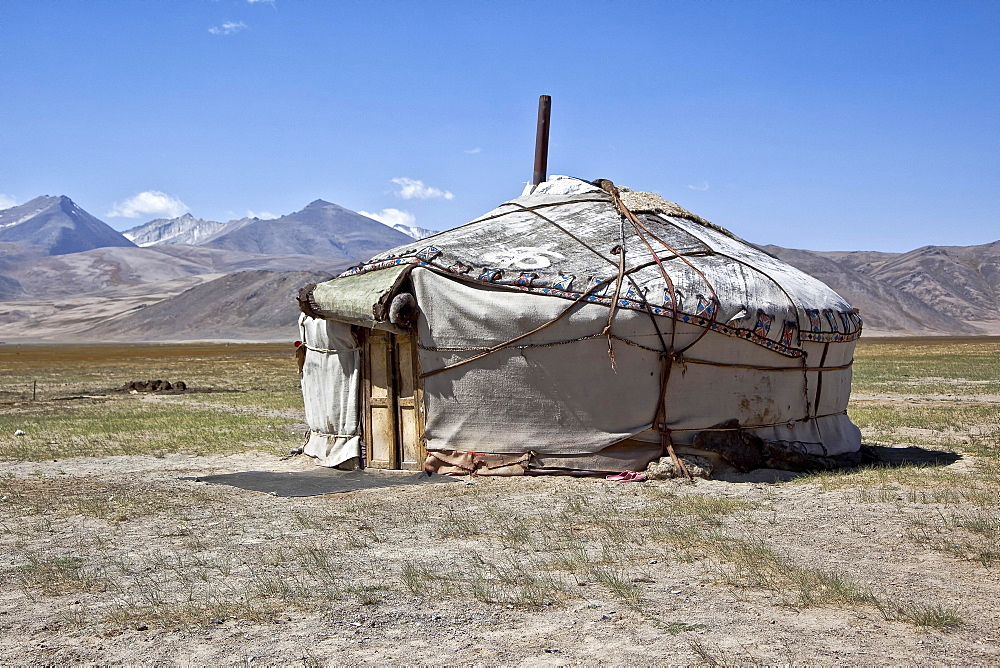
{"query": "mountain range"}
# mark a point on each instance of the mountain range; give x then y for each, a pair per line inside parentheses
(56, 226)
(185, 229)
(321, 228)
(66, 274)
(345, 225)
(933, 290)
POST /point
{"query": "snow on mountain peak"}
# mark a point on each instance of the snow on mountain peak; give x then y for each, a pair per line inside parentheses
(185, 229)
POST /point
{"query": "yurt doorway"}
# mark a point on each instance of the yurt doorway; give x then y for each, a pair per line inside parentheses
(392, 401)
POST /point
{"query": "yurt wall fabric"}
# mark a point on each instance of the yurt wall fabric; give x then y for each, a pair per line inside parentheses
(562, 395)
(331, 377)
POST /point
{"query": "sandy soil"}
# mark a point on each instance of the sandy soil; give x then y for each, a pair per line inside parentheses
(221, 540)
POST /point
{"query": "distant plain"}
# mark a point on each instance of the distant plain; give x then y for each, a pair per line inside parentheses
(109, 554)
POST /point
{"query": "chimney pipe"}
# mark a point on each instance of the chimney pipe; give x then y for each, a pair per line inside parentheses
(542, 139)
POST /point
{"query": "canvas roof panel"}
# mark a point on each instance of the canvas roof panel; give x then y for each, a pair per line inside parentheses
(563, 239)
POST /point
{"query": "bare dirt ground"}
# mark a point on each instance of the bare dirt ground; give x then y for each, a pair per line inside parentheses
(160, 568)
(128, 559)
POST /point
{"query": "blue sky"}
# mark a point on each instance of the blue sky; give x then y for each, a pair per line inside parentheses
(822, 125)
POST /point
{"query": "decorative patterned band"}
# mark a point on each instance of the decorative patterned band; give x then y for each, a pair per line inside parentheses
(785, 345)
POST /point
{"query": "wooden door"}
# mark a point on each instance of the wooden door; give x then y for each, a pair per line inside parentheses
(393, 402)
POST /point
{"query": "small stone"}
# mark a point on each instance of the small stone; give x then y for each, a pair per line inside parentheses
(664, 468)
(142, 627)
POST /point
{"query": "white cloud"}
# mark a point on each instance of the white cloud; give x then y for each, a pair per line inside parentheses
(392, 217)
(473, 151)
(703, 186)
(415, 189)
(7, 201)
(228, 28)
(263, 215)
(148, 203)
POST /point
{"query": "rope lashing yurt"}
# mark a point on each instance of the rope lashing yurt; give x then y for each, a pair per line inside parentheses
(579, 328)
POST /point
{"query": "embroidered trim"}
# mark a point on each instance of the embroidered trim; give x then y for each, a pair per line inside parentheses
(489, 277)
(381, 264)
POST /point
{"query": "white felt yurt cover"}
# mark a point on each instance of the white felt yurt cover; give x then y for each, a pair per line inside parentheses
(544, 325)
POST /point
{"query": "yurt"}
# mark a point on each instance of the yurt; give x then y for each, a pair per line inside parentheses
(580, 328)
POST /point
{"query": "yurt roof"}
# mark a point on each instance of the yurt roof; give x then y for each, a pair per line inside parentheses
(572, 239)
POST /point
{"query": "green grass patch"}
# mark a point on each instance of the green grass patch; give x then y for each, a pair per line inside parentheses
(128, 426)
(247, 379)
(66, 370)
(286, 400)
(969, 427)
(956, 366)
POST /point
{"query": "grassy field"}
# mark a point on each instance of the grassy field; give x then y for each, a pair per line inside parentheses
(98, 368)
(925, 366)
(900, 560)
(240, 396)
(933, 392)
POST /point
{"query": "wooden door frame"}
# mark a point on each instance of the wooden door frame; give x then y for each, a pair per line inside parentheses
(396, 454)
